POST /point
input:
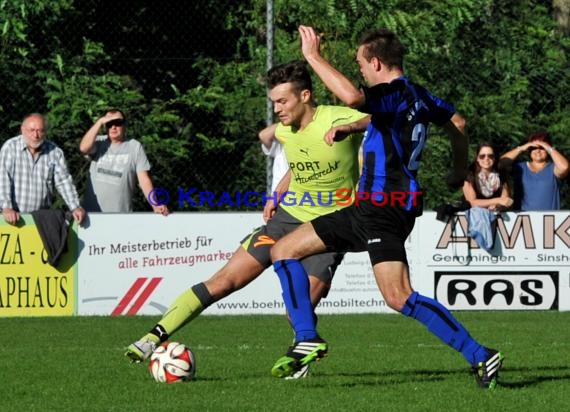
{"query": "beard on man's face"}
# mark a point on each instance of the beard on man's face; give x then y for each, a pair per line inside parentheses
(34, 144)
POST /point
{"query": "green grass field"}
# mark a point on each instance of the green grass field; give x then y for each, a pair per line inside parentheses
(376, 362)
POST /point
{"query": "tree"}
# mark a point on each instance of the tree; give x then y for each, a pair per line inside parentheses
(190, 76)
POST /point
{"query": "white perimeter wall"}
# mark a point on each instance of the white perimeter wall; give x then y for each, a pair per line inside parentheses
(139, 263)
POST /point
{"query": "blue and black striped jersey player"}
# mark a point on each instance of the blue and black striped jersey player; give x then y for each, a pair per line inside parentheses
(401, 113)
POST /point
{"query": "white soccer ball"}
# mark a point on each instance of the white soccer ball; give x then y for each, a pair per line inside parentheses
(172, 362)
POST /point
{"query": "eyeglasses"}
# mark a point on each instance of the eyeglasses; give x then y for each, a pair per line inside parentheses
(116, 122)
(486, 155)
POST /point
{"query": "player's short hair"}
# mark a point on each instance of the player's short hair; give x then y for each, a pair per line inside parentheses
(384, 45)
(294, 72)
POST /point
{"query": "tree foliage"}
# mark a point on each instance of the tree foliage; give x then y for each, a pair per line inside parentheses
(190, 75)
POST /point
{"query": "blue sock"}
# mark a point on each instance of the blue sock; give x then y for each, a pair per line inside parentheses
(297, 298)
(442, 324)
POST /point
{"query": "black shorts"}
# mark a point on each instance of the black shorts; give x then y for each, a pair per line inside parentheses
(380, 230)
(258, 244)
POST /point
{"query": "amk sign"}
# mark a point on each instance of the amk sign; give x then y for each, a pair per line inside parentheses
(528, 269)
(548, 234)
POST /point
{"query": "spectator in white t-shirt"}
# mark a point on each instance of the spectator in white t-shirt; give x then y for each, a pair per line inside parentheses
(271, 147)
(117, 165)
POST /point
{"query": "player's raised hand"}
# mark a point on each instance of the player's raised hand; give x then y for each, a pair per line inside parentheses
(310, 41)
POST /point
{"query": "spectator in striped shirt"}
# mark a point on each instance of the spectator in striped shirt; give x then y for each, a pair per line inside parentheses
(30, 168)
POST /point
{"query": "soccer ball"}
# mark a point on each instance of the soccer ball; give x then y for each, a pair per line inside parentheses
(172, 362)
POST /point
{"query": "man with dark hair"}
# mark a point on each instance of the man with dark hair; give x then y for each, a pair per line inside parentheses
(401, 112)
(117, 165)
(316, 172)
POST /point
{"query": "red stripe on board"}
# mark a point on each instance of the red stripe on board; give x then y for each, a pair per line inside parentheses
(144, 296)
(128, 296)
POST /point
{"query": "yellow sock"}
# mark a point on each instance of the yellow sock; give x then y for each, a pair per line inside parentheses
(185, 308)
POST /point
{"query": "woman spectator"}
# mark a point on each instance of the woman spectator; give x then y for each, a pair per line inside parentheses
(537, 183)
(484, 186)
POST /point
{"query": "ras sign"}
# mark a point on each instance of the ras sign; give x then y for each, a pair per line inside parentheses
(497, 290)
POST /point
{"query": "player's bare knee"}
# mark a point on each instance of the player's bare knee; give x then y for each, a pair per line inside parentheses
(395, 301)
(278, 252)
(218, 287)
(222, 283)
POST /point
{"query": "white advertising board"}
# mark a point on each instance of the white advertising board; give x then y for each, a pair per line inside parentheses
(528, 268)
(139, 263)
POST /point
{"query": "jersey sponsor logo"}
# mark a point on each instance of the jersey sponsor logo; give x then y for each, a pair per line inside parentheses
(319, 171)
(497, 290)
(375, 240)
(264, 240)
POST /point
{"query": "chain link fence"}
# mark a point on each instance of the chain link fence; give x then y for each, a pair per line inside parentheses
(147, 57)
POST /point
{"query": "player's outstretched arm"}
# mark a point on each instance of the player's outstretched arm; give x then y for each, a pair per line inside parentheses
(455, 129)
